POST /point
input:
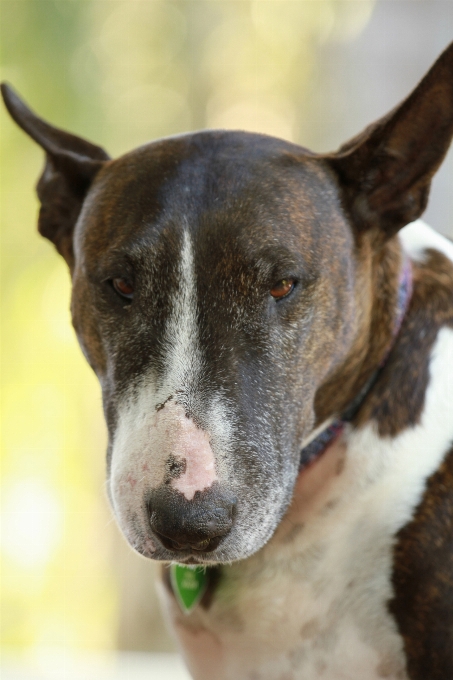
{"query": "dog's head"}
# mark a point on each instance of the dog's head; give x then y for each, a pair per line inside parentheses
(226, 287)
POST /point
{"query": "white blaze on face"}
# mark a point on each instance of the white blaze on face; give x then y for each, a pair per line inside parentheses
(183, 361)
(155, 441)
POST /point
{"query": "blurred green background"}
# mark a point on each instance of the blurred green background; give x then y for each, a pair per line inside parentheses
(121, 73)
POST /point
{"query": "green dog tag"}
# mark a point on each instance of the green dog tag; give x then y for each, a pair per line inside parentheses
(189, 585)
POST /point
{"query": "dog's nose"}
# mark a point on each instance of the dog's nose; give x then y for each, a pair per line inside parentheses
(198, 524)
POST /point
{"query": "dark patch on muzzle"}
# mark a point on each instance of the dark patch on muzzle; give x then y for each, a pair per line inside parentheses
(174, 468)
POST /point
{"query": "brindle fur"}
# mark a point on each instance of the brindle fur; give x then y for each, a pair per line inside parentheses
(423, 581)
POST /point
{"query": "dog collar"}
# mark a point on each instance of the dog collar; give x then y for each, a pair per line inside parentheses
(336, 425)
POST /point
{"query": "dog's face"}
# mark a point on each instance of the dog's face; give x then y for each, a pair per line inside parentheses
(212, 292)
(229, 291)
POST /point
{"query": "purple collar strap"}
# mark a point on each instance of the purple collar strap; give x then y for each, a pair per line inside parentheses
(336, 426)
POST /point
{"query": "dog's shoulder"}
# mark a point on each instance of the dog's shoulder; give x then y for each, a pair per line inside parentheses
(423, 555)
(401, 450)
(423, 580)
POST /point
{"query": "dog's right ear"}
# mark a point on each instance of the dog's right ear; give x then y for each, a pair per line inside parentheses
(71, 165)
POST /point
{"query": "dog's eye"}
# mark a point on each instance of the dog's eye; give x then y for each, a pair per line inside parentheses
(124, 288)
(282, 288)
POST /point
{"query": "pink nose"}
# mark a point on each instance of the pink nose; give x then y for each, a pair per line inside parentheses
(188, 447)
(190, 509)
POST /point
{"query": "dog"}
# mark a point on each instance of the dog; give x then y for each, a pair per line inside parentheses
(273, 334)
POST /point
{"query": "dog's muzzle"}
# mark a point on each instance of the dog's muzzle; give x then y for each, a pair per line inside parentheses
(199, 524)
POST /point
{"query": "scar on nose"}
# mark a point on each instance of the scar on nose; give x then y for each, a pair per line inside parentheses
(174, 468)
(159, 407)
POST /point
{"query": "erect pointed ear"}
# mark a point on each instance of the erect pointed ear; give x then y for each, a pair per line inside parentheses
(385, 172)
(71, 165)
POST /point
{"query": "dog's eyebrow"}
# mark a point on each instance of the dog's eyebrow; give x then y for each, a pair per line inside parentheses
(139, 250)
(278, 258)
(115, 257)
(116, 263)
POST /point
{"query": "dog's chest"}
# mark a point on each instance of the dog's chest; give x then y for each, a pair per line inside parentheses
(313, 603)
(306, 606)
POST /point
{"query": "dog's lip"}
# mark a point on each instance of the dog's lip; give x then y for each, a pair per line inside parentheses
(181, 557)
(191, 559)
(186, 556)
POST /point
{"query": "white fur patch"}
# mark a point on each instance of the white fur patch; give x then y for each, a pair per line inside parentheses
(312, 603)
(183, 360)
(417, 237)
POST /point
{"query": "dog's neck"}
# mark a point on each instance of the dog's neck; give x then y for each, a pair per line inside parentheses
(375, 359)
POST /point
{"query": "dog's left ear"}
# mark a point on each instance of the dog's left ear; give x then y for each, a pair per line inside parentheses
(71, 165)
(385, 172)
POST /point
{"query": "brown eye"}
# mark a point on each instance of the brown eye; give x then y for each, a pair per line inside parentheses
(282, 288)
(124, 288)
